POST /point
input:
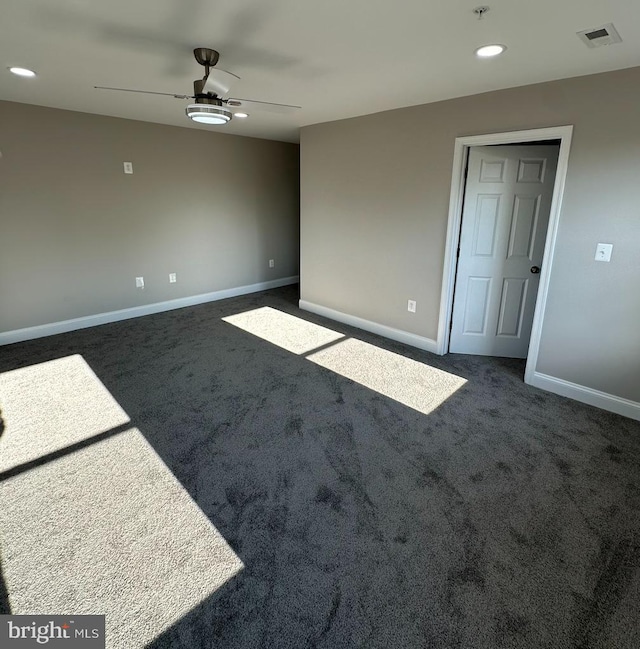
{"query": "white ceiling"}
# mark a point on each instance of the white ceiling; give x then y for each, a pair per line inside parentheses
(335, 58)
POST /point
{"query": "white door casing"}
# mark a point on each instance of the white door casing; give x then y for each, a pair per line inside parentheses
(505, 215)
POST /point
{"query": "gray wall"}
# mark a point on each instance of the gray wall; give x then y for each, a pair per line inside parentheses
(75, 230)
(374, 208)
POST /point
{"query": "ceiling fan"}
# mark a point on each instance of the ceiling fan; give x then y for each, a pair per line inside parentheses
(212, 104)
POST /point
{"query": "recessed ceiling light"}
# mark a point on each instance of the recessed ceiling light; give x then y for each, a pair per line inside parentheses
(22, 72)
(487, 51)
(241, 115)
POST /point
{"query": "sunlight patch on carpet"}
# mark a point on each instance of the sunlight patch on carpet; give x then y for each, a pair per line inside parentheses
(105, 529)
(407, 381)
(284, 330)
(52, 405)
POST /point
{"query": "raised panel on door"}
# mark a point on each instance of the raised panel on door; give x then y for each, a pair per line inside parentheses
(492, 171)
(512, 303)
(531, 170)
(484, 235)
(524, 226)
(476, 305)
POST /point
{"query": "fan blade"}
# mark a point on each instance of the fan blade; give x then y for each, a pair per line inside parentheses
(145, 92)
(261, 105)
(219, 82)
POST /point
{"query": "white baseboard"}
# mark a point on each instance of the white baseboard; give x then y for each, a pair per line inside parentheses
(401, 336)
(593, 397)
(30, 333)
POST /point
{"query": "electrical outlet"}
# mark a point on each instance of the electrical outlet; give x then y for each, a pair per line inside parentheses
(411, 306)
(272, 263)
(173, 278)
(128, 167)
(139, 282)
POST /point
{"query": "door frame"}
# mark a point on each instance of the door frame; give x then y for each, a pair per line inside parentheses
(458, 181)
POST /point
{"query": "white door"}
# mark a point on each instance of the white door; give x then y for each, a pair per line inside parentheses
(504, 225)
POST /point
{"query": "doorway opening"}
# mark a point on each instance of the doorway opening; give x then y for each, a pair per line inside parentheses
(463, 148)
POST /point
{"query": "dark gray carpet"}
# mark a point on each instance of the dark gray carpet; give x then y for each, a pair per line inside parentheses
(506, 517)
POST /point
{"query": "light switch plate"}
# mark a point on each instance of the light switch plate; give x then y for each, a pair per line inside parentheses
(128, 167)
(603, 251)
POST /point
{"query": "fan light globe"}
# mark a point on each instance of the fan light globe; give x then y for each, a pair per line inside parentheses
(208, 114)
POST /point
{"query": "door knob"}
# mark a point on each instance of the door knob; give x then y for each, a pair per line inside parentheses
(535, 269)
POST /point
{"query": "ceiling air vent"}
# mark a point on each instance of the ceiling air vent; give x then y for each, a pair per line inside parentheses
(597, 36)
